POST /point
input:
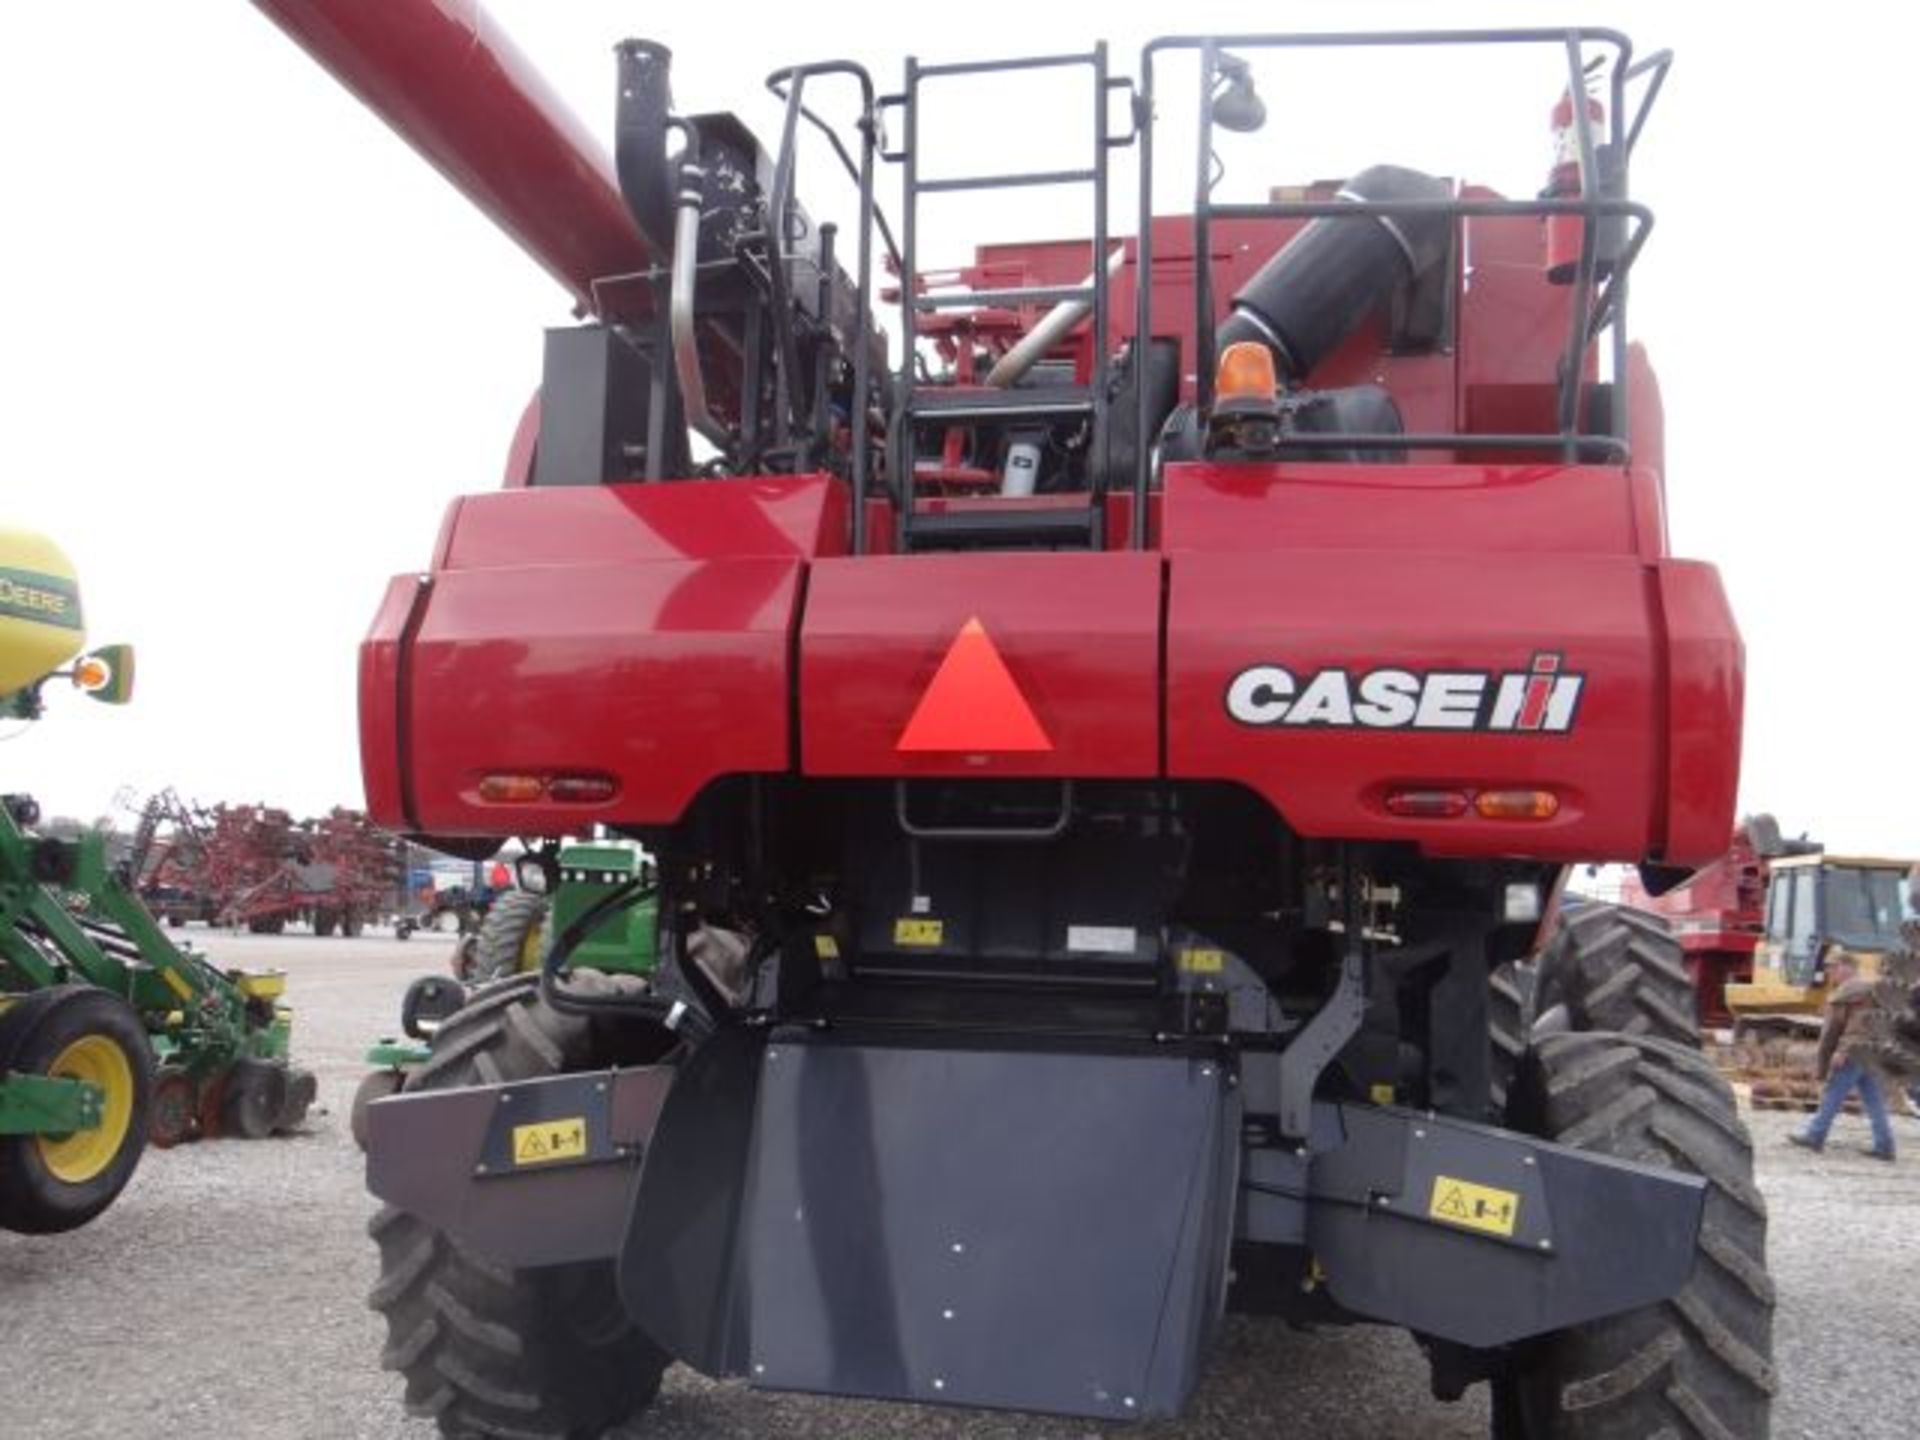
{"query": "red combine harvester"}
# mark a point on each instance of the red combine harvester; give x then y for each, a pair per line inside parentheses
(1096, 756)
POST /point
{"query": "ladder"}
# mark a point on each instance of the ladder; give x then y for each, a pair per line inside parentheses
(982, 525)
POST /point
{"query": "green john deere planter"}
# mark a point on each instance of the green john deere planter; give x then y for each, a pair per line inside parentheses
(111, 1036)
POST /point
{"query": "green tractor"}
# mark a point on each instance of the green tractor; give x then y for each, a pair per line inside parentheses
(558, 887)
(110, 1035)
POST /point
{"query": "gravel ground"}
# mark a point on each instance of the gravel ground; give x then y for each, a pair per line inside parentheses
(223, 1294)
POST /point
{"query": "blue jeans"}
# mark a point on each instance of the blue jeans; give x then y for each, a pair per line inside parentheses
(1846, 1077)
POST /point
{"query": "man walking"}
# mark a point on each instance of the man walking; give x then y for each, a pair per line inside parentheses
(1842, 1037)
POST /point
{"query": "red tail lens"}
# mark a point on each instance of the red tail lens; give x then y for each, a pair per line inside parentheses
(1429, 804)
(581, 789)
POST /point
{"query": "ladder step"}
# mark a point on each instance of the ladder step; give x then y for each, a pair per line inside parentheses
(1017, 295)
(983, 402)
(1006, 182)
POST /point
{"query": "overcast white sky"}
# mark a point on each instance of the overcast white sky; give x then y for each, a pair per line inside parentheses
(252, 345)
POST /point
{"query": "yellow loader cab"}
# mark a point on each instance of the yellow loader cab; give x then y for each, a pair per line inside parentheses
(1818, 907)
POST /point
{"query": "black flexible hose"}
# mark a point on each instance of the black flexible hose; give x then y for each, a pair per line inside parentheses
(554, 966)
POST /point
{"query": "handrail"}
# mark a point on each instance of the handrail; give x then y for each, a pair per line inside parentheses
(1591, 313)
(797, 77)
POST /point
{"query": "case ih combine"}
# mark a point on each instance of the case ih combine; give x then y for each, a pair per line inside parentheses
(1093, 776)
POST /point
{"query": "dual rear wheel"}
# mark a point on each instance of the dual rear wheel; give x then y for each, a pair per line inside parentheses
(1613, 1066)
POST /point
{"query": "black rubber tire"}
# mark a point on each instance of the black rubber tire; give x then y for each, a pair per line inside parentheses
(499, 947)
(325, 922)
(484, 1349)
(351, 924)
(1699, 1364)
(1609, 967)
(374, 1085)
(33, 1033)
(1509, 1018)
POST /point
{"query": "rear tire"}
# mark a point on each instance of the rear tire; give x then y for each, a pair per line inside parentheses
(1699, 1364)
(50, 1184)
(1609, 967)
(509, 939)
(485, 1349)
(1509, 1003)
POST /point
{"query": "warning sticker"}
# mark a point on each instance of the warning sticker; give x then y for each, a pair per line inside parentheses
(1201, 961)
(910, 930)
(1477, 1207)
(550, 1140)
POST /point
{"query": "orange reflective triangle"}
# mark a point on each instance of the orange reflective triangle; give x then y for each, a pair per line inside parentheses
(973, 702)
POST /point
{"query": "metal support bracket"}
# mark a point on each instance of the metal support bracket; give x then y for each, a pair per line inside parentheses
(47, 1104)
(1324, 1036)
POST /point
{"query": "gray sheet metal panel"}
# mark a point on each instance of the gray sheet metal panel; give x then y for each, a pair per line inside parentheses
(679, 1271)
(442, 1155)
(995, 1228)
(1591, 1235)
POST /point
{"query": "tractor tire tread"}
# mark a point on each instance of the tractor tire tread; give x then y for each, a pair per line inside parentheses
(1621, 970)
(1506, 1031)
(502, 937)
(1699, 1365)
(34, 1031)
(485, 1349)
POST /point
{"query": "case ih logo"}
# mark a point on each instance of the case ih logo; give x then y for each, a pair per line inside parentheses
(1543, 697)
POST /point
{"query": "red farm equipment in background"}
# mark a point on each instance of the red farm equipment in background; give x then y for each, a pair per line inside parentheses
(255, 866)
(1099, 745)
(1720, 913)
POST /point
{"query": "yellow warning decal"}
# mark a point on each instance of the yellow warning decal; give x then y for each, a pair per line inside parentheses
(1381, 1093)
(825, 947)
(1203, 961)
(550, 1140)
(1477, 1207)
(912, 931)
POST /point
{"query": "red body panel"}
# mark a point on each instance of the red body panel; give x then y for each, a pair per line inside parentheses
(1421, 612)
(1488, 509)
(1080, 634)
(663, 674)
(1705, 690)
(382, 755)
(640, 632)
(648, 633)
